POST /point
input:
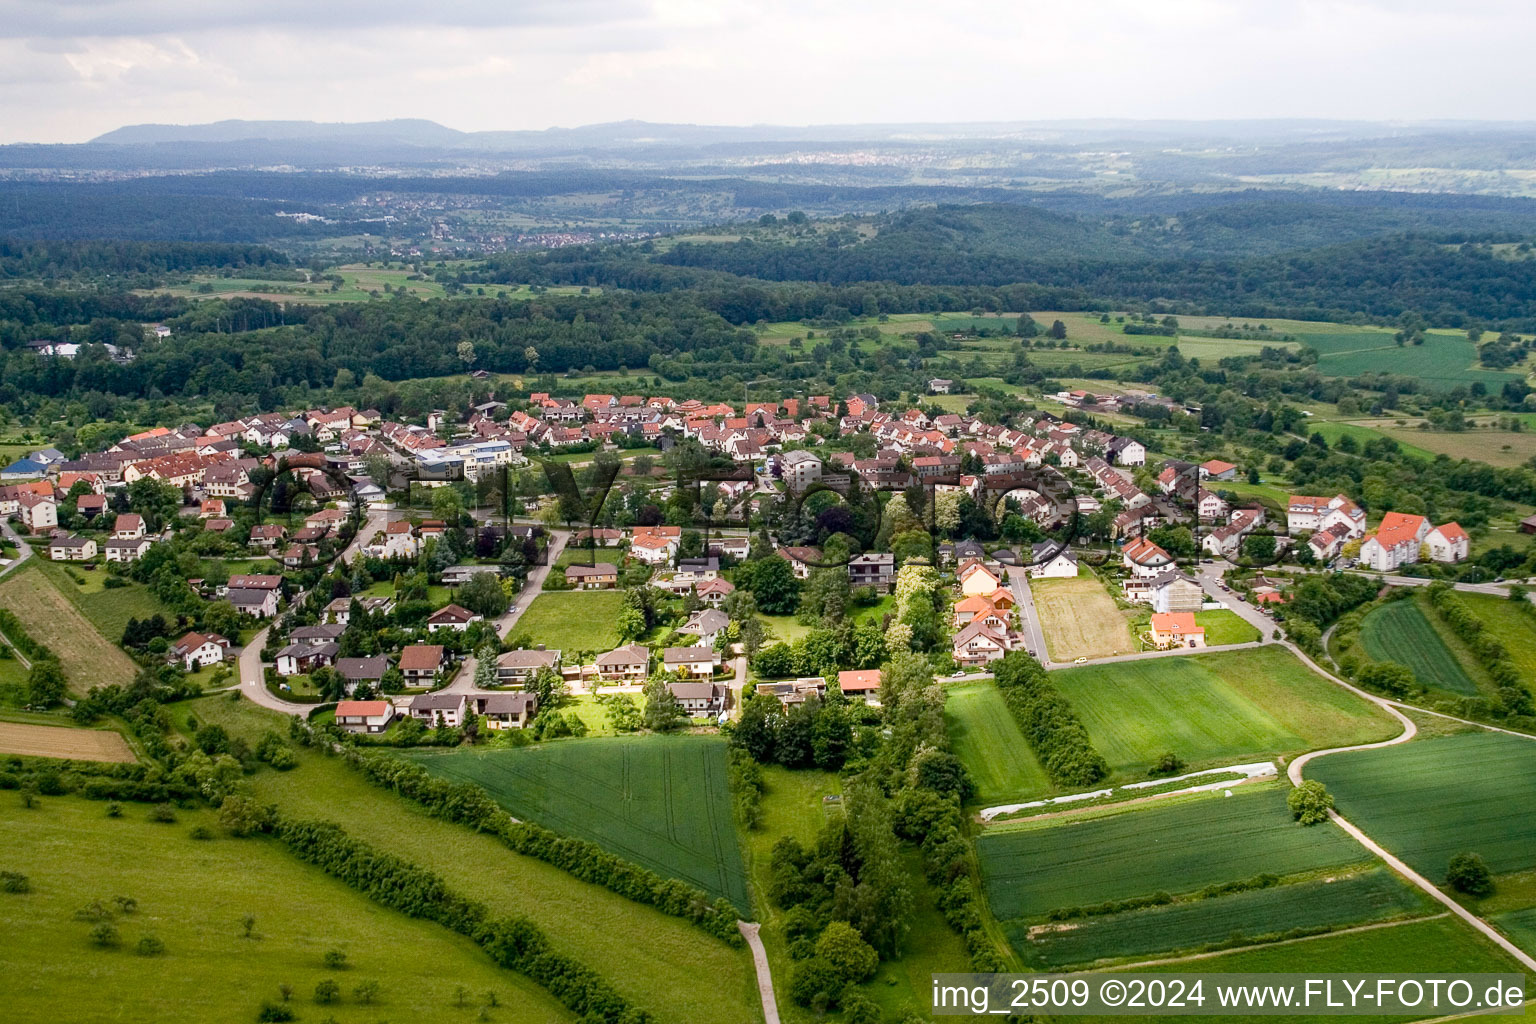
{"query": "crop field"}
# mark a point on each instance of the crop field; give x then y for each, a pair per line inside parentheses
(1080, 619)
(585, 921)
(1175, 846)
(109, 609)
(1431, 799)
(1211, 709)
(1520, 926)
(573, 620)
(1401, 632)
(1511, 624)
(1373, 895)
(987, 738)
(73, 853)
(1445, 360)
(63, 742)
(1224, 626)
(660, 801)
(89, 659)
(1495, 447)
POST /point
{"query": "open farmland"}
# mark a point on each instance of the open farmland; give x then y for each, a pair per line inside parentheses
(1080, 619)
(89, 659)
(72, 853)
(660, 801)
(1175, 846)
(63, 742)
(1372, 895)
(586, 921)
(1211, 709)
(987, 738)
(1445, 360)
(572, 620)
(108, 608)
(1400, 631)
(1434, 798)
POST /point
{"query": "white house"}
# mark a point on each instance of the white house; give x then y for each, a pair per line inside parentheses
(514, 668)
(978, 644)
(39, 513)
(1060, 565)
(72, 549)
(706, 624)
(1447, 543)
(800, 469)
(1145, 558)
(198, 649)
(434, 709)
(451, 616)
(126, 549)
(1395, 542)
(364, 715)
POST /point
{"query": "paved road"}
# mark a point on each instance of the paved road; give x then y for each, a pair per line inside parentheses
(1294, 770)
(764, 975)
(1209, 578)
(23, 549)
(533, 586)
(1029, 618)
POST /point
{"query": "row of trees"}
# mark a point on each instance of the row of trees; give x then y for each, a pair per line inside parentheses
(1049, 722)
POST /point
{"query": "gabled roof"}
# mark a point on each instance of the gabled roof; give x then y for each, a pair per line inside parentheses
(421, 657)
(362, 708)
(859, 680)
(629, 654)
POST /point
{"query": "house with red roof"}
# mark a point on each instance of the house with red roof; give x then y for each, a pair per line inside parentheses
(1448, 543)
(1395, 542)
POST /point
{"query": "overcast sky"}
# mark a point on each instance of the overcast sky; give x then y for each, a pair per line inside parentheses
(71, 69)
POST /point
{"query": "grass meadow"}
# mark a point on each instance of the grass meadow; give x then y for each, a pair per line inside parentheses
(987, 738)
(659, 801)
(109, 609)
(73, 853)
(573, 620)
(1401, 631)
(89, 658)
(1433, 798)
(1511, 624)
(1224, 626)
(649, 956)
(1176, 845)
(1213, 709)
(1080, 619)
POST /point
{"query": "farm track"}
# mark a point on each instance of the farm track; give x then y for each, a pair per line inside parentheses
(1409, 731)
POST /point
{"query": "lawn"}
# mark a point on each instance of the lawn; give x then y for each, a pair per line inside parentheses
(1176, 846)
(1080, 619)
(1223, 626)
(588, 922)
(660, 801)
(987, 738)
(1431, 799)
(1372, 895)
(89, 659)
(72, 854)
(1214, 709)
(573, 620)
(784, 627)
(1513, 625)
(1400, 631)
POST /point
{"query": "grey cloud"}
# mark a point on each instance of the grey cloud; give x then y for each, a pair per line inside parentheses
(20, 19)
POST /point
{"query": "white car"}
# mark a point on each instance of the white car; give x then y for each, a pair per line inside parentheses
(1079, 661)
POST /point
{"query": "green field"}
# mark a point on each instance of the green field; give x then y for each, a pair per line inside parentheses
(1372, 895)
(1431, 799)
(53, 619)
(573, 620)
(585, 921)
(1175, 846)
(192, 896)
(1210, 709)
(1445, 360)
(1520, 926)
(1224, 626)
(108, 609)
(660, 801)
(987, 738)
(1511, 624)
(1400, 631)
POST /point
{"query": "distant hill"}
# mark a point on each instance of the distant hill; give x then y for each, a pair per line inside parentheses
(406, 131)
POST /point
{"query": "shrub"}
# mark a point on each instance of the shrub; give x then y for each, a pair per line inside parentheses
(1310, 802)
(105, 935)
(1468, 874)
(149, 945)
(816, 981)
(273, 1013)
(14, 881)
(163, 813)
(335, 960)
(327, 991)
(841, 946)
(1168, 764)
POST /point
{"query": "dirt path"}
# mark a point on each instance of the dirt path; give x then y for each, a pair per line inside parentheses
(1409, 731)
(749, 932)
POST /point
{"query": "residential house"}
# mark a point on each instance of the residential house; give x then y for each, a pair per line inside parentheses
(700, 700)
(128, 526)
(872, 569)
(126, 549)
(801, 560)
(515, 668)
(39, 513)
(862, 685)
(601, 576)
(396, 541)
(1309, 513)
(939, 386)
(364, 715)
(299, 658)
(505, 710)
(800, 469)
(439, 709)
(322, 634)
(1145, 558)
(362, 670)
(91, 505)
(1174, 592)
(1447, 543)
(706, 624)
(1395, 542)
(1215, 469)
(1052, 562)
(195, 650)
(714, 592)
(628, 664)
(1175, 629)
(419, 663)
(255, 595)
(979, 644)
(791, 692)
(451, 617)
(691, 661)
(976, 578)
(655, 545)
(71, 549)
(1125, 451)
(1327, 543)
(266, 536)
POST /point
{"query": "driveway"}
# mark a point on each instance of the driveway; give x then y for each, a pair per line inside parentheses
(23, 549)
(1209, 578)
(1029, 618)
